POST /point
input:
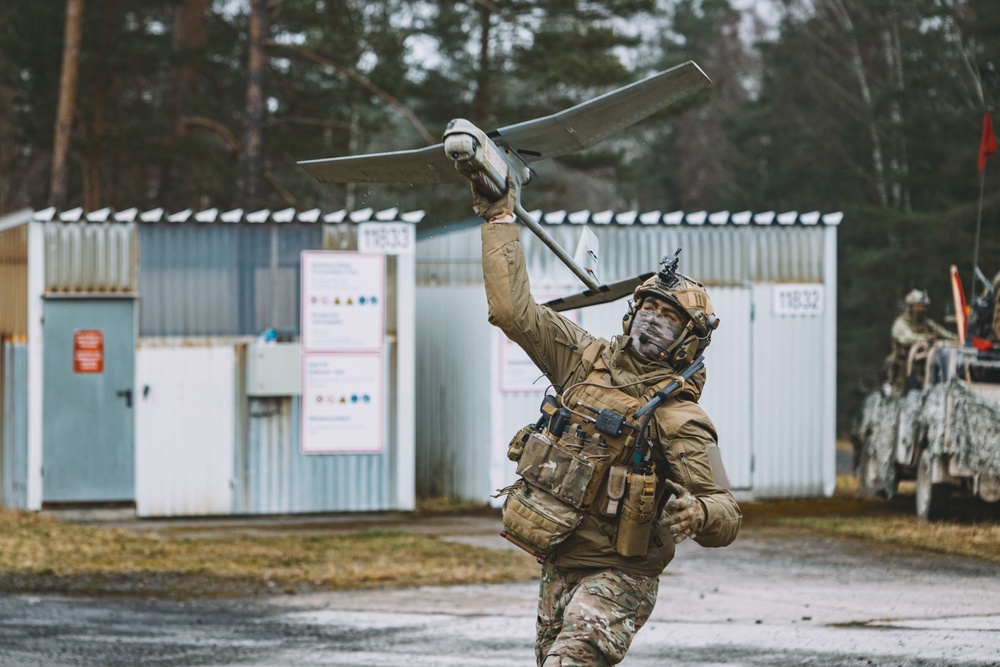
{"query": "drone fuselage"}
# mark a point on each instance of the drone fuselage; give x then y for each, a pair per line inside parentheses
(483, 162)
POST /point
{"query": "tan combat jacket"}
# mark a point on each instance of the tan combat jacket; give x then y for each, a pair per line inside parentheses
(680, 431)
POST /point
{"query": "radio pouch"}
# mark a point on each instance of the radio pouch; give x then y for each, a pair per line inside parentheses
(636, 519)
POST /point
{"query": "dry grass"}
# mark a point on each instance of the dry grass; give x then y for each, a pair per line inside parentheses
(43, 554)
(971, 532)
(978, 540)
(39, 553)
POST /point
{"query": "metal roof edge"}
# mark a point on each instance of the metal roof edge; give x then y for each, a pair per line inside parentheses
(15, 219)
(210, 215)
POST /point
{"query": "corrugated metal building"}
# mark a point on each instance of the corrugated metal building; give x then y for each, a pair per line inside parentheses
(132, 369)
(771, 366)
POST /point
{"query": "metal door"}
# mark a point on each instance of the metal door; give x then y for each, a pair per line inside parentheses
(88, 428)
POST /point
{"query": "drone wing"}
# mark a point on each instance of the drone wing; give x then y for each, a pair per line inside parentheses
(570, 130)
(606, 294)
(422, 165)
(590, 122)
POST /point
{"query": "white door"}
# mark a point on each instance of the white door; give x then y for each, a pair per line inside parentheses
(185, 430)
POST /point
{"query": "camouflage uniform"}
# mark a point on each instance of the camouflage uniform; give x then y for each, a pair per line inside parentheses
(592, 599)
(907, 331)
(588, 617)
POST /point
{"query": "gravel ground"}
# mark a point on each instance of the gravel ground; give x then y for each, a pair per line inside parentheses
(775, 598)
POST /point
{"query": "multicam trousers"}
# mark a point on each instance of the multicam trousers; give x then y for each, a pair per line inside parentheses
(587, 618)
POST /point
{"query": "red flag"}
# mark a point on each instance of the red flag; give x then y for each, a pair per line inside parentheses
(988, 144)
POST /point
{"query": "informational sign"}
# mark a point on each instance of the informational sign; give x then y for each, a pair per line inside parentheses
(798, 299)
(343, 301)
(387, 238)
(88, 351)
(341, 403)
(518, 373)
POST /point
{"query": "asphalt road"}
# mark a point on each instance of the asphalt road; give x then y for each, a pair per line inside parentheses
(774, 598)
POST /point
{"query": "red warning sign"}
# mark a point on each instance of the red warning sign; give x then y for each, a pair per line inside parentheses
(88, 351)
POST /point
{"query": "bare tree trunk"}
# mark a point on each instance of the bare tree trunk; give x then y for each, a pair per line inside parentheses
(59, 189)
(253, 142)
(900, 160)
(93, 157)
(190, 36)
(858, 67)
(481, 105)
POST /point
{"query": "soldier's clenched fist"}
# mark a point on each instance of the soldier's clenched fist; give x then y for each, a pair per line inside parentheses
(502, 208)
(685, 516)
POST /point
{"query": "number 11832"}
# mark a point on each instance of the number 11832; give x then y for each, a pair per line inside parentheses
(801, 299)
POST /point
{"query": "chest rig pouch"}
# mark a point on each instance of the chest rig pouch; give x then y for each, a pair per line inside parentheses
(575, 461)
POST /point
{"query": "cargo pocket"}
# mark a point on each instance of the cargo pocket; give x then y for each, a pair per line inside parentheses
(677, 461)
(537, 519)
(624, 604)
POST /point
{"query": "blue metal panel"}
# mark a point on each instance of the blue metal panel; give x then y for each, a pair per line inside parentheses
(274, 477)
(88, 430)
(14, 431)
(221, 280)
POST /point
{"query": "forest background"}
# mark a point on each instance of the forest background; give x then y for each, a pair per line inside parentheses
(870, 107)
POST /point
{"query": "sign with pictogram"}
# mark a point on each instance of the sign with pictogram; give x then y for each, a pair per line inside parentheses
(341, 403)
(343, 302)
(88, 351)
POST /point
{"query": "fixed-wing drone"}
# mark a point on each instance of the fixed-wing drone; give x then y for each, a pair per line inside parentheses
(491, 160)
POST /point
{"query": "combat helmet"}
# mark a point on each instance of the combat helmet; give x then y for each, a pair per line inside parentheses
(917, 297)
(687, 295)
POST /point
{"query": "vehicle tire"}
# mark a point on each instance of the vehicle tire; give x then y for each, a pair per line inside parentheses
(868, 476)
(933, 500)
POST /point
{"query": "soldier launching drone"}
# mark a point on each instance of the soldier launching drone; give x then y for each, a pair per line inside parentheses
(623, 463)
(623, 434)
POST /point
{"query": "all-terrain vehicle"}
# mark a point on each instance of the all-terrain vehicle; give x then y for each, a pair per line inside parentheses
(943, 432)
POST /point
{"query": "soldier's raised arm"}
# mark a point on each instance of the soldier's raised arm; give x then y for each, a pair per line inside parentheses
(551, 341)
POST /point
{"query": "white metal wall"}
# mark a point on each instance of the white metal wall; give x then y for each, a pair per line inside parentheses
(453, 413)
(728, 395)
(185, 430)
(771, 380)
(791, 437)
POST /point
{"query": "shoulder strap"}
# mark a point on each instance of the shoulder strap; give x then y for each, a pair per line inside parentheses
(593, 351)
(589, 359)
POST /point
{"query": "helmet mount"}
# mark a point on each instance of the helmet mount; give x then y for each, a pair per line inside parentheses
(666, 277)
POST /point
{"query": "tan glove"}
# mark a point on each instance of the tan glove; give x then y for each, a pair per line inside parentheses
(501, 208)
(685, 516)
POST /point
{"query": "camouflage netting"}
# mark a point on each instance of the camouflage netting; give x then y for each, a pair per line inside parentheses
(975, 439)
(878, 420)
(920, 418)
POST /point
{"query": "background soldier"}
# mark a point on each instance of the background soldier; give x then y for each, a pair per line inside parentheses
(910, 328)
(593, 599)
